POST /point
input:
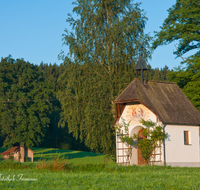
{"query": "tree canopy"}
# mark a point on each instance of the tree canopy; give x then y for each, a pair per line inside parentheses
(24, 103)
(29, 109)
(188, 80)
(104, 47)
(183, 26)
(30, 112)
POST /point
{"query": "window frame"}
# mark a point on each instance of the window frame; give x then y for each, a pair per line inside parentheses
(186, 137)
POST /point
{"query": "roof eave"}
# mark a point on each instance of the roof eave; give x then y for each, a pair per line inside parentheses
(190, 124)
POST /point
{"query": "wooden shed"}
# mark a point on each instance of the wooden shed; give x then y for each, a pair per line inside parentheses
(18, 153)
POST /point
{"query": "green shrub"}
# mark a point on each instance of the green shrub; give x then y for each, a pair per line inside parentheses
(10, 164)
(19, 157)
(27, 159)
(1, 157)
(11, 157)
(65, 146)
(55, 164)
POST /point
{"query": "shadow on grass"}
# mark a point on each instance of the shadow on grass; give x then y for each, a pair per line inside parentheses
(49, 153)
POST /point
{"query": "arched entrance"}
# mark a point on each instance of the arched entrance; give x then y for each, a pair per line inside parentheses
(141, 160)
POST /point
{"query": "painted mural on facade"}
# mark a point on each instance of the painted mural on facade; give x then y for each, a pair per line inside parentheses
(134, 113)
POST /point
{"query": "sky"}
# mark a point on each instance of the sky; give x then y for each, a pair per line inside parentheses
(32, 30)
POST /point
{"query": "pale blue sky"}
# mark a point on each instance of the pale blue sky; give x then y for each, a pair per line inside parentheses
(32, 29)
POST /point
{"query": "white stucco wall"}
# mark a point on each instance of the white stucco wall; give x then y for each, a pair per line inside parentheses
(177, 153)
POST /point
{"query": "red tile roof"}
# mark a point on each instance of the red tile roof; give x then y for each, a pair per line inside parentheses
(11, 150)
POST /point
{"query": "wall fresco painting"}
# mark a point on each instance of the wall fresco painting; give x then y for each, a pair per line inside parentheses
(137, 112)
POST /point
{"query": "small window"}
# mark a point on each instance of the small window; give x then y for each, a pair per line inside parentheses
(186, 138)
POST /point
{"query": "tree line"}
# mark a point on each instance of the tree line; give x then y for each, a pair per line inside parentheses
(30, 109)
(72, 105)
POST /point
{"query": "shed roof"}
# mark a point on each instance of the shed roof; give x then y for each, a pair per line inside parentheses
(165, 99)
(14, 149)
(11, 150)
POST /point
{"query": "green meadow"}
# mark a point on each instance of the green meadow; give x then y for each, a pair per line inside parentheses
(72, 156)
(65, 169)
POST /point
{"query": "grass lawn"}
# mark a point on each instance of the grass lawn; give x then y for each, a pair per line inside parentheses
(73, 156)
(133, 177)
(86, 170)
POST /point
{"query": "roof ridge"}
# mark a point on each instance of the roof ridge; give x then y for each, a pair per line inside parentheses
(166, 82)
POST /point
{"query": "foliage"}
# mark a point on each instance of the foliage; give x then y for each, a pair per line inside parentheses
(26, 159)
(19, 157)
(11, 157)
(23, 112)
(103, 53)
(188, 79)
(182, 25)
(55, 136)
(53, 133)
(29, 109)
(56, 164)
(10, 164)
(147, 147)
(1, 157)
(123, 135)
(154, 137)
(49, 79)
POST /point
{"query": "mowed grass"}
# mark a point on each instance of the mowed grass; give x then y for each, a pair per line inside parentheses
(133, 177)
(73, 156)
(85, 170)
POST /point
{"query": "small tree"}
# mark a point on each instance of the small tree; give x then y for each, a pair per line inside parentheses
(155, 135)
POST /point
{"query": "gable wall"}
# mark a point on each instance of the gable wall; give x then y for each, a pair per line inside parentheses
(133, 114)
(16, 156)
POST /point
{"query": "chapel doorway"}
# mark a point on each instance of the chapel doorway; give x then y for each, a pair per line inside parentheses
(141, 160)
